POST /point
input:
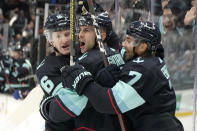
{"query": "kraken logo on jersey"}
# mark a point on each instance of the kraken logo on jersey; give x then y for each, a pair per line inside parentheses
(116, 59)
(79, 77)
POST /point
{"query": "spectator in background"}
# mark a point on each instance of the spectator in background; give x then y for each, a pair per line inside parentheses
(27, 33)
(16, 40)
(1, 16)
(27, 38)
(20, 22)
(183, 17)
(176, 26)
(166, 21)
(1, 40)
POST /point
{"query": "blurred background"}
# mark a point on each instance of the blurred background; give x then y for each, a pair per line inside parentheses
(21, 38)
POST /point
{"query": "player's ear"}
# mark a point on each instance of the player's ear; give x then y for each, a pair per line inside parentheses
(141, 48)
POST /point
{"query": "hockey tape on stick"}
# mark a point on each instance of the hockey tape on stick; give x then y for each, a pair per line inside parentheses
(72, 31)
(98, 32)
(104, 54)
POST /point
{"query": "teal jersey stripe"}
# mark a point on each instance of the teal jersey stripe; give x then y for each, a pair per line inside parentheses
(72, 100)
(16, 86)
(25, 65)
(1, 78)
(126, 97)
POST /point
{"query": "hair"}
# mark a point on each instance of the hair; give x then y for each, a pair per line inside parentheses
(160, 51)
(178, 8)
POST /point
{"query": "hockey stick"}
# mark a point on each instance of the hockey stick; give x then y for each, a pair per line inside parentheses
(104, 54)
(31, 103)
(26, 78)
(98, 32)
(72, 31)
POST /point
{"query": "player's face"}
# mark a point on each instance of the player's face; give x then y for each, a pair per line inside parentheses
(16, 54)
(128, 45)
(87, 38)
(61, 41)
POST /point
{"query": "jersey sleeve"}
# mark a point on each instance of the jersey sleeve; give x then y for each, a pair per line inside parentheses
(129, 93)
(66, 105)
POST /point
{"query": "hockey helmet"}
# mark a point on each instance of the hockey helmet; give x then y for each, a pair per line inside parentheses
(145, 31)
(85, 20)
(54, 23)
(104, 20)
(57, 22)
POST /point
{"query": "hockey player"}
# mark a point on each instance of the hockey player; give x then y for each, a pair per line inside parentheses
(57, 32)
(110, 38)
(144, 93)
(63, 106)
(14, 69)
(20, 69)
(5, 66)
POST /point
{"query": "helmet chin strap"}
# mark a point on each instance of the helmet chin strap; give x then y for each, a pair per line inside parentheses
(54, 48)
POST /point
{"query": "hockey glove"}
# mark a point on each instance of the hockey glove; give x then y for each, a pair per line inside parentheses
(108, 76)
(44, 107)
(76, 78)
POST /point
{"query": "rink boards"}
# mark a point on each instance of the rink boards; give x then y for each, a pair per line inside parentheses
(35, 122)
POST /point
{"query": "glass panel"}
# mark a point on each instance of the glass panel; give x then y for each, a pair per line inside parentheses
(177, 34)
(177, 28)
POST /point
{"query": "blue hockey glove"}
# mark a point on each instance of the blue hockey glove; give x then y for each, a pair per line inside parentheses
(108, 76)
(76, 78)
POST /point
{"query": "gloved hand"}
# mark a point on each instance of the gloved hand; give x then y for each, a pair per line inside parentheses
(108, 76)
(76, 78)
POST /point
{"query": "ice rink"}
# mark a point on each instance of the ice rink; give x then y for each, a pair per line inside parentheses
(35, 122)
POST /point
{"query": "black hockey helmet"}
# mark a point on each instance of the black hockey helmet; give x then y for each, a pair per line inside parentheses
(145, 31)
(101, 18)
(57, 22)
(85, 20)
(104, 20)
(54, 23)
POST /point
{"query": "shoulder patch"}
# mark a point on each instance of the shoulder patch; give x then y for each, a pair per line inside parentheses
(138, 60)
(83, 56)
(41, 64)
(115, 59)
